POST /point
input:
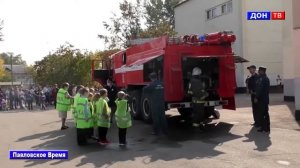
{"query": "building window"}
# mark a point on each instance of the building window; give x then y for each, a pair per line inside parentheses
(219, 10)
(229, 6)
(208, 15)
(223, 8)
(213, 12)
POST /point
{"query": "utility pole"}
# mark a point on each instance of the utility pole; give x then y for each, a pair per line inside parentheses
(11, 68)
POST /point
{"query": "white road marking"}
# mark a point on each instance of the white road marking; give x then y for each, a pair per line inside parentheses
(282, 162)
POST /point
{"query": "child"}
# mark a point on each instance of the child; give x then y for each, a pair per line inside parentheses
(84, 117)
(91, 110)
(123, 117)
(77, 95)
(103, 117)
(96, 97)
(43, 100)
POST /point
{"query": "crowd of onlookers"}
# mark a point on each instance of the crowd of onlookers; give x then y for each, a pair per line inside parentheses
(38, 97)
(20, 98)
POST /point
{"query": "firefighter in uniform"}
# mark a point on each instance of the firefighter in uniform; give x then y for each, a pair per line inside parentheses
(63, 104)
(251, 84)
(262, 99)
(197, 90)
(156, 92)
(84, 120)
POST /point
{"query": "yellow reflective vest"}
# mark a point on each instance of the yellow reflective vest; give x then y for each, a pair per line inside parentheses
(74, 106)
(122, 115)
(84, 114)
(63, 104)
(102, 113)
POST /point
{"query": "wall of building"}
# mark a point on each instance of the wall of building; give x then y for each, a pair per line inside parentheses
(190, 18)
(296, 46)
(296, 49)
(288, 58)
(262, 40)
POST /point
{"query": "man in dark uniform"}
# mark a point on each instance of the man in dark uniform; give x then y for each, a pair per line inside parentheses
(156, 92)
(262, 99)
(251, 84)
(112, 94)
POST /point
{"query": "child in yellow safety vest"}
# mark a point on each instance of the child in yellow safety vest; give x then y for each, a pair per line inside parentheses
(84, 121)
(102, 114)
(91, 108)
(96, 97)
(123, 117)
(77, 95)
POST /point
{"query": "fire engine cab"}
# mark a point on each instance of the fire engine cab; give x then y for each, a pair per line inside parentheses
(173, 60)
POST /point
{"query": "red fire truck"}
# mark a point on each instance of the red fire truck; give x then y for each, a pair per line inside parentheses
(173, 60)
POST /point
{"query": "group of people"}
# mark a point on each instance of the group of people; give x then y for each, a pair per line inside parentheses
(18, 97)
(258, 86)
(92, 113)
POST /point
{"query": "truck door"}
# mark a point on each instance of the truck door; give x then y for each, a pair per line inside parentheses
(227, 84)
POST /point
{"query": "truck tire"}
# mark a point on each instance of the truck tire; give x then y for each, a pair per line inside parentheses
(146, 109)
(186, 113)
(135, 104)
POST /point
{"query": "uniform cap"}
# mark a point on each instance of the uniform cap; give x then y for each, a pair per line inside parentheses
(262, 68)
(252, 67)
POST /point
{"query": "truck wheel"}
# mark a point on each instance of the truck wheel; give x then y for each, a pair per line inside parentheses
(135, 104)
(146, 109)
(186, 113)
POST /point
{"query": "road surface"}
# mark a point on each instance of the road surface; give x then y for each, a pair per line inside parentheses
(229, 142)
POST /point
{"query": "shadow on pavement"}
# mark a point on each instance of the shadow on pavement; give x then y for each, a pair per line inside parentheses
(142, 145)
(261, 140)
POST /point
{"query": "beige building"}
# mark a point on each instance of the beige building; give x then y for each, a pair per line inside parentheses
(20, 75)
(296, 55)
(260, 42)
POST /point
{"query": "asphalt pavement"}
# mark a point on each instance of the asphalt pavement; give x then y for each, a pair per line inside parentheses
(228, 142)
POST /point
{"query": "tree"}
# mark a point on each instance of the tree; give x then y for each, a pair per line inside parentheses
(16, 59)
(103, 57)
(169, 6)
(125, 27)
(66, 64)
(5, 76)
(2, 69)
(159, 17)
(1, 27)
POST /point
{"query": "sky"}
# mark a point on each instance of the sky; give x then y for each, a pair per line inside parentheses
(33, 28)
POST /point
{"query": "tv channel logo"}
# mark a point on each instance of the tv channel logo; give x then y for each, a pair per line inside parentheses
(265, 15)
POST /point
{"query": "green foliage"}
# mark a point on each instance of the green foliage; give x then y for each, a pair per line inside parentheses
(1, 27)
(66, 64)
(6, 77)
(2, 69)
(103, 60)
(125, 27)
(16, 59)
(158, 16)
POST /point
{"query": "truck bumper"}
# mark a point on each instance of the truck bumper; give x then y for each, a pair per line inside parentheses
(189, 104)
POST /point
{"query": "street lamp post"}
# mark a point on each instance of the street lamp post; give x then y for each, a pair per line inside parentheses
(12, 74)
